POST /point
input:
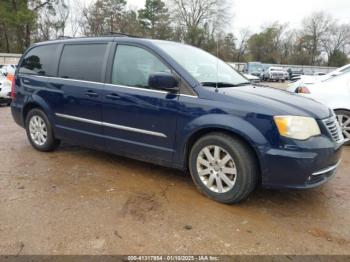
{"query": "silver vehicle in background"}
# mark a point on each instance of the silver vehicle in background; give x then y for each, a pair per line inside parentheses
(274, 74)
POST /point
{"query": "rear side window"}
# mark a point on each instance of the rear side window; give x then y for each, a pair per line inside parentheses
(82, 62)
(40, 60)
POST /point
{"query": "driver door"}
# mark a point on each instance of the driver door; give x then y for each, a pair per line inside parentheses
(138, 120)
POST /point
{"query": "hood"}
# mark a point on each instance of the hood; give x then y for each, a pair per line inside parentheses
(305, 79)
(254, 72)
(251, 77)
(272, 101)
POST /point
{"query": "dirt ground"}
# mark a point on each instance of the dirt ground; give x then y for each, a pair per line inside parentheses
(79, 201)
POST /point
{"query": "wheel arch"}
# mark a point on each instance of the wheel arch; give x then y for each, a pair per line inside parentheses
(28, 107)
(36, 102)
(195, 136)
(341, 109)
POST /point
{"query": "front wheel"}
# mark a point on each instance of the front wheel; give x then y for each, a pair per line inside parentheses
(39, 131)
(223, 168)
(343, 118)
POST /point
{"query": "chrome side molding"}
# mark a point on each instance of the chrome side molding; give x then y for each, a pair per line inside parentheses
(126, 128)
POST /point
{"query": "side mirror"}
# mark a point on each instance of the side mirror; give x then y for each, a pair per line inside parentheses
(163, 81)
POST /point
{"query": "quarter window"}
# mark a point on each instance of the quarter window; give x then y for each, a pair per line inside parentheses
(40, 60)
(133, 66)
(83, 62)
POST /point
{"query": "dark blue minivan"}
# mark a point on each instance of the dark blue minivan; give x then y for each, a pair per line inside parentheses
(174, 105)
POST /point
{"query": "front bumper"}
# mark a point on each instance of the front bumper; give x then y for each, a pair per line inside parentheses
(321, 176)
(5, 100)
(275, 77)
(306, 166)
(5, 94)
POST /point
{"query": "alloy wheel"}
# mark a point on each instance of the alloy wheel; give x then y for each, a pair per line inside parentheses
(38, 130)
(344, 122)
(216, 169)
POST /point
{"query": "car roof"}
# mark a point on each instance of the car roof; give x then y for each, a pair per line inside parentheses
(343, 75)
(343, 67)
(102, 39)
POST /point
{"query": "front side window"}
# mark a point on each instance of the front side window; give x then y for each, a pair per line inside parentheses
(133, 66)
(39, 61)
(83, 62)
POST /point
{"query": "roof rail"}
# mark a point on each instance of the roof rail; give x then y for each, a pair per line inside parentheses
(64, 37)
(123, 34)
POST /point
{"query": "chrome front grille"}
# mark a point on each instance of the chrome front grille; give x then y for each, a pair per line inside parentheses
(277, 74)
(334, 129)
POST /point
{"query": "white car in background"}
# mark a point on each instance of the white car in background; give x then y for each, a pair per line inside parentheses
(307, 80)
(335, 93)
(8, 69)
(5, 90)
(251, 78)
(274, 73)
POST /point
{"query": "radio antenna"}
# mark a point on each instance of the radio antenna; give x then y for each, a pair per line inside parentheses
(217, 64)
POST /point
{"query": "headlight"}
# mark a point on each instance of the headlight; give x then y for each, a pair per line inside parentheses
(297, 127)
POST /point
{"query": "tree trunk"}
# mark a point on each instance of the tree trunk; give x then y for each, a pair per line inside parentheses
(7, 41)
(27, 36)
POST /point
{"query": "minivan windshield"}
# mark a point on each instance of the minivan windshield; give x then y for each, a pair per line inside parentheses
(204, 67)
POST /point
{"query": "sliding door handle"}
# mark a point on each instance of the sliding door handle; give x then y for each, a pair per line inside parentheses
(113, 96)
(91, 94)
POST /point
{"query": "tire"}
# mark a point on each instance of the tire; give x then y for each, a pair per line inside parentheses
(38, 124)
(343, 117)
(242, 160)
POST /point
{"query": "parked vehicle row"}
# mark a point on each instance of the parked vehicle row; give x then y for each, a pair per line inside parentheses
(265, 72)
(177, 106)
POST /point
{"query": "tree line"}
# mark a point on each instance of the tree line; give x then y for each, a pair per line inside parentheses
(321, 39)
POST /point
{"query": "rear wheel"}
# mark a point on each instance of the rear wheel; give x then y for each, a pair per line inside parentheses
(343, 117)
(223, 168)
(39, 131)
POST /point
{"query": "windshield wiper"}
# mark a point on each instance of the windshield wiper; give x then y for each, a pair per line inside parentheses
(243, 84)
(224, 84)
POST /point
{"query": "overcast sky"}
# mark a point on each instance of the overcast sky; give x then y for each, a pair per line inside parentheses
(255, 13)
